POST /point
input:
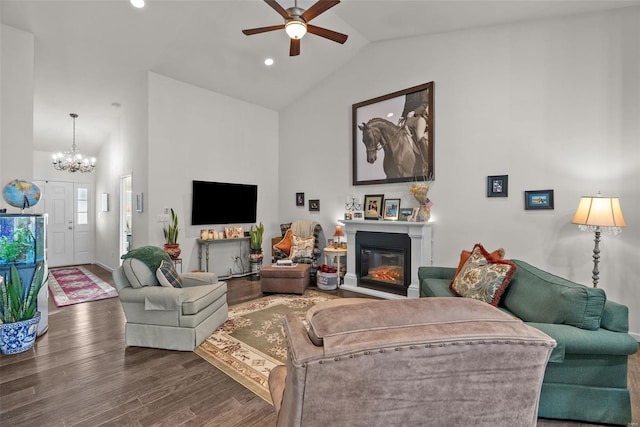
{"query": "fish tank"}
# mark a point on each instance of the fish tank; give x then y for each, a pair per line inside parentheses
(23, 244)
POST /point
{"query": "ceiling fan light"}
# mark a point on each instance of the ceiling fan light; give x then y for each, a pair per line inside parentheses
(137, 3)
(295, 28)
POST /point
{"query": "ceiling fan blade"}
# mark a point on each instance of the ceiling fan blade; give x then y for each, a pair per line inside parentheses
(294, 47)
(317, 8)
(327, 34)
(252, 31)
(276, 6)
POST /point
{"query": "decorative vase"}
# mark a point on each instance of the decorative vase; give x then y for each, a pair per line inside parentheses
(255, 261)
(19, 336)
(173, 250)
(419, 192)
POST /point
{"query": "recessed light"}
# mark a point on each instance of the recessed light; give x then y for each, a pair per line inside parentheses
(390, 115)
(268, 62)
(137, 3)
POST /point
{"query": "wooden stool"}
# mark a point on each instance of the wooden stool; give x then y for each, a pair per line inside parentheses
(285, 280)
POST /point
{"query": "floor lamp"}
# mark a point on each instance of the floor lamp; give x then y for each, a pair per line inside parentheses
(599, 214)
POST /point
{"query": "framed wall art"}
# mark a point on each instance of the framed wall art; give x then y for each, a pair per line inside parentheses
(373, 206)
(314, 205)
(498, 186)
(538, 199)
(391, 209)
(382, 152)
(299, 199)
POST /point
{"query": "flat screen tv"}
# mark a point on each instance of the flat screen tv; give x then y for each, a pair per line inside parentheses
(223, 203)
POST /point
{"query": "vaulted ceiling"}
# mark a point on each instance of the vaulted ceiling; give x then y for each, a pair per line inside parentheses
(87, 52)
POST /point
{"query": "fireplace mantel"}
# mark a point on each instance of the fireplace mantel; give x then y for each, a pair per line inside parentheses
(421, 246)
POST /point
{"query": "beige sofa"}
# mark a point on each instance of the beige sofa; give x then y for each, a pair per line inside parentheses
(427, 362)
(166, 317)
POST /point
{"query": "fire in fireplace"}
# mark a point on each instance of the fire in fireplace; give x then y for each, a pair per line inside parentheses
(383, 261)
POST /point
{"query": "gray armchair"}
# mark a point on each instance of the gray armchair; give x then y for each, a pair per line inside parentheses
(166, 317)
(304, 229)
(426, 362)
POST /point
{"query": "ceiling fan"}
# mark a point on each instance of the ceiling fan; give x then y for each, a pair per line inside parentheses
(296, 23)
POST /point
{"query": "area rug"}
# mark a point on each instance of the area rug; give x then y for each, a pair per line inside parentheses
(251, 343)
(74, 285)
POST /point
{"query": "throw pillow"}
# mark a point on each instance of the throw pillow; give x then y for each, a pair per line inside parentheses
(464, 256)
(284, 245)
(302, 247)
(168, 276)
(483, 277)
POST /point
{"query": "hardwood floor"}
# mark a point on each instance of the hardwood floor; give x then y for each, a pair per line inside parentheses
(80, 373)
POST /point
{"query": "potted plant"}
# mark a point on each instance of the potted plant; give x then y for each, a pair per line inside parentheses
(171, 246)
(18, 310)
(255, 257)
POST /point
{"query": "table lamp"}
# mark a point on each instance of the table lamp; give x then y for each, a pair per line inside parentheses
(597, 213)
(337, 235)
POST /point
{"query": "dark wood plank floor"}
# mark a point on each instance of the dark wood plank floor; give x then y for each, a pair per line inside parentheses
(80, 373)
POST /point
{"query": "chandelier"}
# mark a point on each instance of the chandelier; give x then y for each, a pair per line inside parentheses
(73, 160)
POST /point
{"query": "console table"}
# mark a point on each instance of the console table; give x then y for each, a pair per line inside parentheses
(206, 243)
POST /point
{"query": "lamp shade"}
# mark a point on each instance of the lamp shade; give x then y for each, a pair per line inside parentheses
(338, 232)
(599, 211)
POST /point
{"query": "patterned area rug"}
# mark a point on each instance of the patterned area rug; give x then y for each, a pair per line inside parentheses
(73, 285)
(251, 343)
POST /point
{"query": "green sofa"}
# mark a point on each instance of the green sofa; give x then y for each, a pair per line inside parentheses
(586, 377)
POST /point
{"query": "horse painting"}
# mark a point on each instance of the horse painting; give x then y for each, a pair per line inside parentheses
(402, 158)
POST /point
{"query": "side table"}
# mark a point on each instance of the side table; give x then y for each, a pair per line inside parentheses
(336, 253)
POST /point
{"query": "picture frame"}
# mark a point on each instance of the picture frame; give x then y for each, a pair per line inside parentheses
(314, 205)
(498, 186)
(405, 214)
(376, 139)
(538, 199)
(299, 199)
(391, 209)
(358, 214)
(348, 215)
(139, 206)
(373, 206)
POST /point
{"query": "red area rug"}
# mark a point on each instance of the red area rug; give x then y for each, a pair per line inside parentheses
(73, 285)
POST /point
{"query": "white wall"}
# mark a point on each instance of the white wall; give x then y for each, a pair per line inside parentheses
(554, 104)
(16, 141)
(196, 134)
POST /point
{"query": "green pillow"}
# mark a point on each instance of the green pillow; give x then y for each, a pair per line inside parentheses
(535, 295)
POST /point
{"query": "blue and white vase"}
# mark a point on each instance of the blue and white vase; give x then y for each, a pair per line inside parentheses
(19, 336)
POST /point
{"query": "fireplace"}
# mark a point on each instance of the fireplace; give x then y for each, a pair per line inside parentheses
(383, 261)
(418, 254)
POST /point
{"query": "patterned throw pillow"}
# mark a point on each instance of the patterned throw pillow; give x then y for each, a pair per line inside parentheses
(483, 277)
(464, 256)
(302, 247)
(168, 276)
(284, 245)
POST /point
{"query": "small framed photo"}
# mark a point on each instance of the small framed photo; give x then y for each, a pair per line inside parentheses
(348, 215)
(299, 199)
(373, 206)
(358, 214)
(405, 214)
(538, 199)
(498, 186)
(139, 202)
(314, 205)
(391, 209)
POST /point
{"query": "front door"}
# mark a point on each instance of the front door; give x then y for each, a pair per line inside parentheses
(59, 205)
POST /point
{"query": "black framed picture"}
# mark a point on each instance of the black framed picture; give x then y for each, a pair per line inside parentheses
(373, 206)
(299, 199)
(498, 186)
(314, 205)
(538, 199)
(405, 214)
(393, 137)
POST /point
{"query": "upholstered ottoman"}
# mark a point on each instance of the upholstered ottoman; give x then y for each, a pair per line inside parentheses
(285, 280)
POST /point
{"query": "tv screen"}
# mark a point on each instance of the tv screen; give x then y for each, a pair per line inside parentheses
(223, 203)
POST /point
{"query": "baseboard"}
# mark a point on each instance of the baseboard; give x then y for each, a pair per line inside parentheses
(636, 336)
(106, 267)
